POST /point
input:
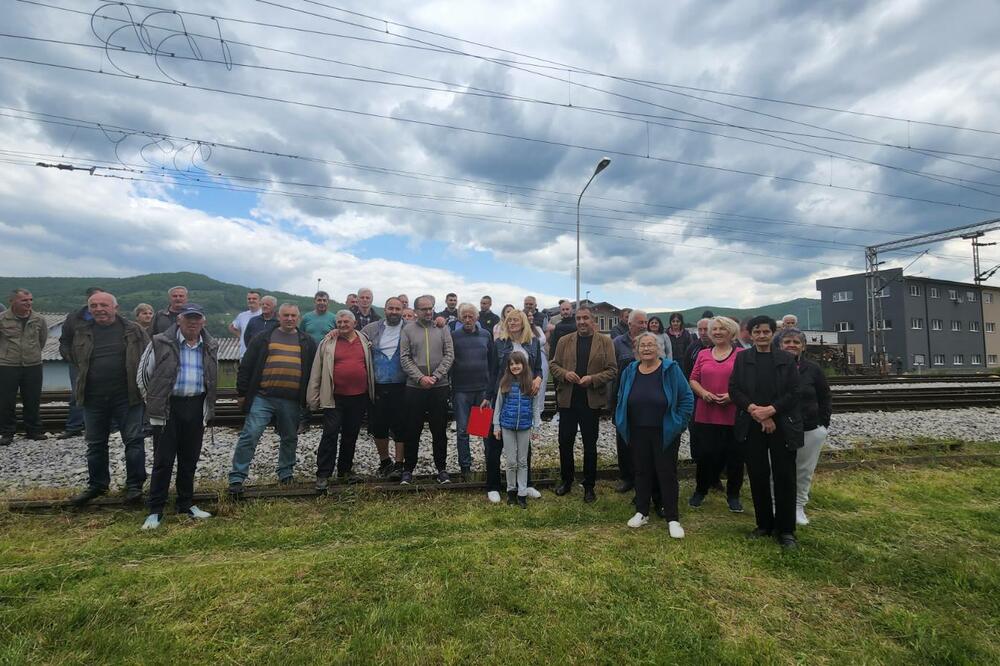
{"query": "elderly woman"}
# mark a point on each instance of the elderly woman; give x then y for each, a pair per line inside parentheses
(654, 405)
(765, 387)
(712, 444)
(143, 314)
(515, 334)
(816, 405)
(342, 385)
(680, 338)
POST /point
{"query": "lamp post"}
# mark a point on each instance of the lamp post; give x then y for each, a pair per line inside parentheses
(587, 297)
(601, 166)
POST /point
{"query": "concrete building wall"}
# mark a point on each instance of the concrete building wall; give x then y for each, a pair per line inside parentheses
(991, 315)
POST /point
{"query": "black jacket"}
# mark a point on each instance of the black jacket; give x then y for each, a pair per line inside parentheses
(252, 366)
(691, 355)
(73, 321)
(816, 401)
(679, 346)
(565, 326)
(742, 383)
(257, 325)
(162, 320)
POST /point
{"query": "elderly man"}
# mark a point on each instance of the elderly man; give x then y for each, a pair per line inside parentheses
(178, 376)
(342, 385)
(487, 318)
(167, 317)
(320, 321)
(239, 325)
(266, 321)
(584, 368)
(271, 383)
(788, 323)
(23, 333)
(364, 313)
(704, 341)
(624, 356)
(386, 415)
(621, 328)
(74, 419)
(535, 317)
(426, 355)
(744, 340)
(472, 376)
(405, 301)
(106, 352)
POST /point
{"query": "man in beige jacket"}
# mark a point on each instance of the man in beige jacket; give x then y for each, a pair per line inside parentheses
(342, 384)
(583, 367)
(23, 333)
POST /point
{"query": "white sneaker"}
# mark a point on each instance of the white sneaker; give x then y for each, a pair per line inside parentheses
(195, 512)
(638, 520)
(152, 522)
(532, 493)
(493, 496)
(676, 531)
(800, 516)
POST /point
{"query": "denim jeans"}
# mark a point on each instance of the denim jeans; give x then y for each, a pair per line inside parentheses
(74, 420)
(100, 413)
(262, 409)
(463, 402)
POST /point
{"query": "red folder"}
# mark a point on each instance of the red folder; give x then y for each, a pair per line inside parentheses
(480, 421)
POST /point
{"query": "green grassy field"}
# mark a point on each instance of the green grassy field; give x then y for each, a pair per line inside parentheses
(899, 566)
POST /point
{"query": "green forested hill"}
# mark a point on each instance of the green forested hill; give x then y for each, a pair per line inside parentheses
(222, 300)
(808, 311)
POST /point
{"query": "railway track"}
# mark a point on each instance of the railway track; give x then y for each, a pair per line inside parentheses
(912, 379)
(54, 403)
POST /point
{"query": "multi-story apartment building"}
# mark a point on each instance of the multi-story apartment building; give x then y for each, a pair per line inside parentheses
(927, 323)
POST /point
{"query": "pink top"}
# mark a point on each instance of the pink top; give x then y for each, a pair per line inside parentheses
(714, 377)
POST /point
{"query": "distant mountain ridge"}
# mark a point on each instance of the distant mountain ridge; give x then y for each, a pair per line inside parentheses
(224, 300)
(808, 311)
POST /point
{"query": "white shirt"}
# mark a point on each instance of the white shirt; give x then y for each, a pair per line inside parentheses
(390, 339)
(240, 323)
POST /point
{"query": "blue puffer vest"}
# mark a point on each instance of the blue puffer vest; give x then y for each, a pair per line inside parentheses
(517, 410)
(388, 369)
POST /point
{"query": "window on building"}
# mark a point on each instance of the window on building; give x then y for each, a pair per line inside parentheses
(916, 323)
(934, 292)
(885, 324)
(974, 327)
(843, 296)
(952, 295)
(958, 359)
(975, 359)
(600, 323)
(991, 359)
(919, 359)
(914, 290)
(987, 298)
(938, 359)
(883, 292)
(970, 296)
(956, 325)
(937, 324)
(991, 327)
(845, 326)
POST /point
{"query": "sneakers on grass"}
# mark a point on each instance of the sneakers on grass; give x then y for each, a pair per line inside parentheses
(152, 522)
(197, 514)
(696, 500)
(443, 477)
(493, 496)
(800, 516)
(735, 505)
(675, 529)
(406, 478)
(532, 493)
(638, 520)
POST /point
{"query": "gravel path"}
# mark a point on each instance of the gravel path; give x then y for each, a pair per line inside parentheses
(61, 463)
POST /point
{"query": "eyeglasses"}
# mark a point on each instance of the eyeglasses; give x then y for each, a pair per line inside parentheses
(431, 309)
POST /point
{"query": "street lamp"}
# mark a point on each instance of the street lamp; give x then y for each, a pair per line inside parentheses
(588, 295)
(601, 166)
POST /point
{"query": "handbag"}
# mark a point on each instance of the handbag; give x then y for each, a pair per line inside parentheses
(480, 421)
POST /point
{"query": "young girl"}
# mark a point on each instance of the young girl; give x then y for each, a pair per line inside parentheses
(515, 421)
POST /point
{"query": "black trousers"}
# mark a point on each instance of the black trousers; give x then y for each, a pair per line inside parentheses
(494, 449)
(714, 449)
(430, 405)
(179, 438)
(625, 469)
(28, 381)
(768, 458)
(343, 422)
(581, 417)
(654, 467)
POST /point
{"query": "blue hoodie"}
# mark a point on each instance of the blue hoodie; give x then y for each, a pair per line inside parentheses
(680, 400)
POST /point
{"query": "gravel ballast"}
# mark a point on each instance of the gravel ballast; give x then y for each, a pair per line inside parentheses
(62, 463)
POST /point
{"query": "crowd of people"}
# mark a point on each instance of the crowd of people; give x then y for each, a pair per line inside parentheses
(743, 390)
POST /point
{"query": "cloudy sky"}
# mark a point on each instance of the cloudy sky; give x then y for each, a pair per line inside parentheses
(441, 146)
